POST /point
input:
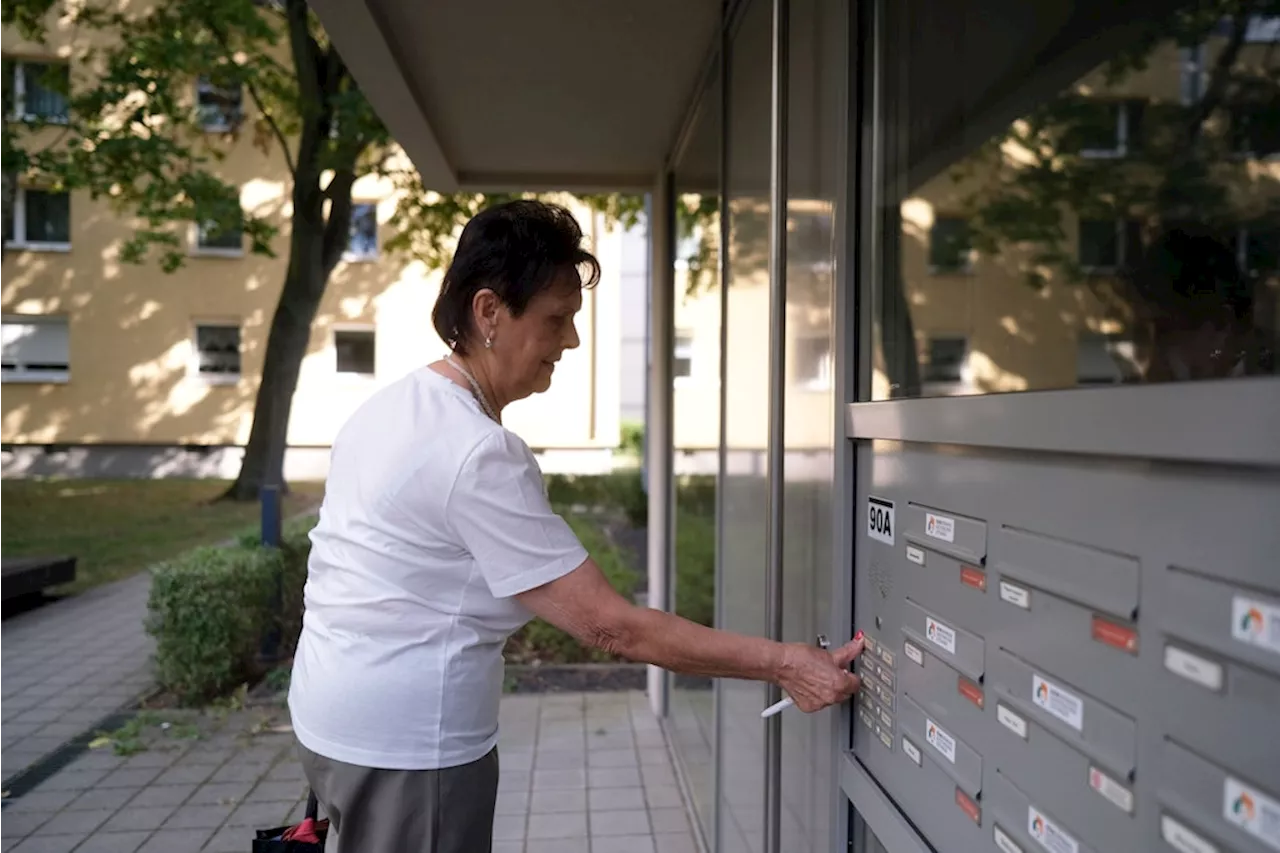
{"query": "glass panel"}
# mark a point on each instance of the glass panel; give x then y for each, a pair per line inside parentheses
(212, 237)
(45, 88)
(745, 499)
(355, 351)
(218, 349)
(695, 401)
(218, 103)
(363, 242)
(817, 115)
(48, 217)
(862, 839)
(1092, 201)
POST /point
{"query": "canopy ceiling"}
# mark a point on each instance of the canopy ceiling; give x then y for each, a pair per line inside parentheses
(504, 94)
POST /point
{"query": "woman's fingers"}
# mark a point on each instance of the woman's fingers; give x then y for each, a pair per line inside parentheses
(845, 655)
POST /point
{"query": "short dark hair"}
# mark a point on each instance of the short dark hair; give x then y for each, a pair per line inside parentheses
(516, 249)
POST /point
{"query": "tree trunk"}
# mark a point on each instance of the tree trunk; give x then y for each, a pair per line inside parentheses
(304, 286)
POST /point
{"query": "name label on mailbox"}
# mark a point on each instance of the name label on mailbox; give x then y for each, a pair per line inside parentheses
(940, 527)
(880, 520)
(940, 635)
(1180, 838)
(1063, 704)
(940, 740)
(1049, 834)
(1256, 623)
(1252, 811)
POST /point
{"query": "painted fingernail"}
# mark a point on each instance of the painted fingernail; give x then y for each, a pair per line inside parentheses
(858, 636)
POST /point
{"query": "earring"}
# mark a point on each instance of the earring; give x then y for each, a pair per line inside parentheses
(488, 342)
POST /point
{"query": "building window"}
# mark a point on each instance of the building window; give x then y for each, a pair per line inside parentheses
(36, 349)
(41, 220)
(355, 350)
(950, 249)
(682, 356)
(812, 365)
(1255, 132)
(1107, 245)
(38, 90)
(219, 108)
(1105, 359)
(212, 240)
(948, 361)
(217, 352)
(1103, 129)
(1193, 76)
(1258, 249)
(362, 244)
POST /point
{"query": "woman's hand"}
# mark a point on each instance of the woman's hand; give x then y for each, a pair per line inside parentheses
(816, 678)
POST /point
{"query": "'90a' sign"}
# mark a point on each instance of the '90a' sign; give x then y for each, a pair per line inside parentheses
(880, 520)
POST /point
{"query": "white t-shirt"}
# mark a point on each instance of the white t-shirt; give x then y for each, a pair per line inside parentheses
(433, 517)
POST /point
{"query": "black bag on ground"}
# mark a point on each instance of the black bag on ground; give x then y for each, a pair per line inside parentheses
(305, 837)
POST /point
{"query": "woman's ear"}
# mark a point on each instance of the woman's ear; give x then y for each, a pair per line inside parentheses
(484, 309)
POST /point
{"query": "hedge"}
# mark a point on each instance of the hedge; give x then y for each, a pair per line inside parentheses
(542, 642)
(210, 608)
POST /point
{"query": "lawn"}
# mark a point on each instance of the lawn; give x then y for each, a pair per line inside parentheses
(117, 527)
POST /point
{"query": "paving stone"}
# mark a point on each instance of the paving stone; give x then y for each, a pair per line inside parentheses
(105, 798)
(669, 820)
(612, 799)
(550, 779)
(197, 817)
(126, 777)
(114, 842)
(559, 845)
(81, 821)
(556, 801)
(627, 822)
(48, 844)
(163, 795)
(508, 827)
(680, 842)
(663, 796)
(623, 843)
(259, 815)
(512, 803)
(21, 824)
(564, 825)
(143, 817)
(614, 777)
(73, 780)
(269, 792)
(179, 841)
(42, 801)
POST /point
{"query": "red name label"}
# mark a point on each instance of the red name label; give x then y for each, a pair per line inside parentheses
(1117, 636)
(969, 576)
(971, 691)
(968, 806)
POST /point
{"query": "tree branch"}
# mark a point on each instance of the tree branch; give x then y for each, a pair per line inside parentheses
(257, 99)
(337, 227)
(1217, 88)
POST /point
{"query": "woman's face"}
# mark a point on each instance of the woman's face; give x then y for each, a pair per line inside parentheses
(526, 348)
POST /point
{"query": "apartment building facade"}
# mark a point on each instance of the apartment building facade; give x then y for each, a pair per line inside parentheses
(115, 368)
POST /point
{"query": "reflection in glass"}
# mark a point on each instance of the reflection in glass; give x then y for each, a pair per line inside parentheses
(1096, 203)
(745, 488)
(818, 68)
(695, 398)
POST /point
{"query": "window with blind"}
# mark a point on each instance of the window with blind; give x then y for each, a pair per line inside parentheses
(217, 352)
(36, 349)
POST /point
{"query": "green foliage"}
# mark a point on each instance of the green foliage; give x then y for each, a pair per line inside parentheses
(210, 608)
(696, 564)
(622, 490)
(427, 223)
(540, 641)
(631, 440)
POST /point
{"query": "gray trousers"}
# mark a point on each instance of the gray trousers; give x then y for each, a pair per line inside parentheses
(405, 811)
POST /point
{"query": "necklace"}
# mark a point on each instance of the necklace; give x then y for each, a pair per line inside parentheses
(475, 387)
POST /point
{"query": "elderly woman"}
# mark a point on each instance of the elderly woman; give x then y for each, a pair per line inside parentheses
(436, 542)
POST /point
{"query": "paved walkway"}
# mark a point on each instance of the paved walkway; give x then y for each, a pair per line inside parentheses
(580, 772)
(69, 664)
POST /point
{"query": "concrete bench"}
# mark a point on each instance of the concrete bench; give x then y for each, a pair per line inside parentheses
(22, 576)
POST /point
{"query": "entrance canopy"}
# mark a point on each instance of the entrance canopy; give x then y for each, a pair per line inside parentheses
(504, 94)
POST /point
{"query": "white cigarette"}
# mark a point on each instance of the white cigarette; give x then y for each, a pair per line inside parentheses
(777, 707)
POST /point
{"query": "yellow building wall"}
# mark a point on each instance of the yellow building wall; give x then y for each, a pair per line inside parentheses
(131, 327)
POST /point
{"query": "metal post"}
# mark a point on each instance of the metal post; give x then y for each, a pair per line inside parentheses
(269, 501)
(777, 401)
